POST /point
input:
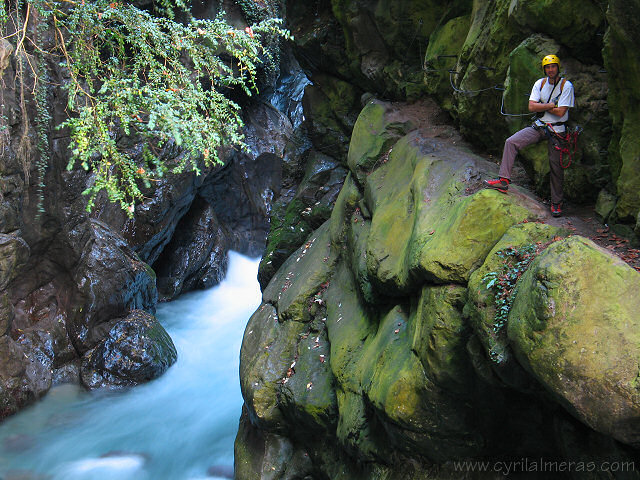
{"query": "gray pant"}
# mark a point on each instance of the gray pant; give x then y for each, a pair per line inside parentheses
(529, 136)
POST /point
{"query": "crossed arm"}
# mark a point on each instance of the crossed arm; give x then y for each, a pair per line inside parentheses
(547, 107)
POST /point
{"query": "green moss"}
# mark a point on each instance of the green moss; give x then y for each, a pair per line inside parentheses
(354, 429)
(445, 41)
(623, 67)
(344, 207)
(268, 349)
(461, 241)
(373, 135)
(481, 302)
(331, 107)
(391, 374)
(628, 184)
(299, 278)
(417, 414)
(441, 336)
(575, 327)
(574, 27)
(389, 197)
(307, 396)
(348, 326)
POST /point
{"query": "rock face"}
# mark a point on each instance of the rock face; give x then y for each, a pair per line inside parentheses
(385, 336)
(380, 333)
(78, 290)
(480, 59)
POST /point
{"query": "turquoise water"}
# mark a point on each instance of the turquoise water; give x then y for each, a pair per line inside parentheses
(180, 426)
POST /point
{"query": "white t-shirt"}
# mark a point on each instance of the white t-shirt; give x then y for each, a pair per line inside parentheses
(550, 94)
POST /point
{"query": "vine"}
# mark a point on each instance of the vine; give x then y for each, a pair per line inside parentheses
(504, 281)
(133, 73)
(43, 117)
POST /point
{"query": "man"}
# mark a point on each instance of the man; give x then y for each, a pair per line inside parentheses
(551, 98)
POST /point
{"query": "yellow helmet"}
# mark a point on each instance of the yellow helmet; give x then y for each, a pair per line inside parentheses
(549, 59)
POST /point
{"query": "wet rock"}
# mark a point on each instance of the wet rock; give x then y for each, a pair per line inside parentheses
(481, 307)
(331, 108)
(22, 379)
(156, 218)
(6, 313)
(135, 350)
(242, 193)
(259, 454)
(68, 373)
(293, 218)
(110, 280)
(196, 257)
(14, 252)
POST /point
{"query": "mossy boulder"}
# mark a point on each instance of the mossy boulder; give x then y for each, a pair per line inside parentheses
(260, 455)
(444, 45)
(293, 218)
(465, 236)
(380, 361)
(355, 430)
(423, 227)
(440, 338)
(349, 325)
(293, 287)
(417, 412)
(481, 303)
(268, 350)
(575, 326)
(380, 333)
(622, 62)
(390, 199)
(307, 396)
(576, 27)
(350, 226)
(374, 133)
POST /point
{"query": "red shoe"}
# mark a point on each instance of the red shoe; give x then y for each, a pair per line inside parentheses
(501, 184)
(556, 209)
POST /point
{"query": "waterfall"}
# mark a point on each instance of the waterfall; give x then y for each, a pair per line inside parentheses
(180, 426)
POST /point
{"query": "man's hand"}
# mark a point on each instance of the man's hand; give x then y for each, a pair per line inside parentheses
(540, 107)
(547, 107)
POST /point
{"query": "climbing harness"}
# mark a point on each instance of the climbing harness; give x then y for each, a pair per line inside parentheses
(567, 142)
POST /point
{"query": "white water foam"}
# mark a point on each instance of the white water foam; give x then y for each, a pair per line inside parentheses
(173, 428)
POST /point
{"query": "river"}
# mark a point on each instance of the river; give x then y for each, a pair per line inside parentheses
(178, 427)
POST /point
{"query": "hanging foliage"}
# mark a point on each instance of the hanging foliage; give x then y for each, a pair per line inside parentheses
(143, 74)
